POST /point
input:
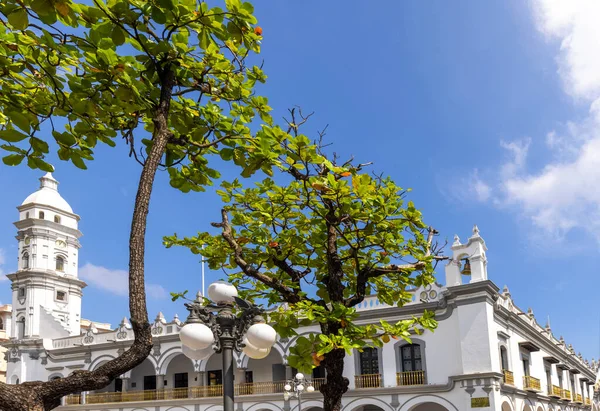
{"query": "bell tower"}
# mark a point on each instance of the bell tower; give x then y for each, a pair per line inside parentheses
(46, 291)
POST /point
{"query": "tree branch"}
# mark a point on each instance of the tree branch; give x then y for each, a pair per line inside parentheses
(290, 295)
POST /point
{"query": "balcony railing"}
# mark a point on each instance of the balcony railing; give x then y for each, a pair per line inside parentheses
(531, 383)
(588, 401)
(508, 377)
(410, 378)
(367, 381)
(566, 395)
(555, 391)
(578, 398)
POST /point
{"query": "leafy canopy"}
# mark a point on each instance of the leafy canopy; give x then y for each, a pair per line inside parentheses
(315, 241)
(92, 72)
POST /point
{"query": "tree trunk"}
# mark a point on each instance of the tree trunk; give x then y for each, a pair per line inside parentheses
(42, 396)
(336, 384)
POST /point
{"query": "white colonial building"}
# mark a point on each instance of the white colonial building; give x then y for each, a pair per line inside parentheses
(486, 352)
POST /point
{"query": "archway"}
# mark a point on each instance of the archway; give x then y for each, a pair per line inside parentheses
(180, 372)
(369, 407)
(527, 407)
(429, 406)
(366, 404)
(540, 408)
(506, 406)
(143, 377)
(266, 375)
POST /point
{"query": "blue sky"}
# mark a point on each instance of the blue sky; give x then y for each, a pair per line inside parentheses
(485, 109)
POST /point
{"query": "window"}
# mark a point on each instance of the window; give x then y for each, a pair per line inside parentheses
(60, 264)
(411, 357)
(503, 358)
(118, 385)
(369, 361)
(41, 215)
(21, 328)
(57, 219)
(22, 292)
(318, 372)
(149, 382)
(181, 380)
(215, 377)
(25, 261)
(526, 366)
(560, 378)
(1, 324)
(27, 214)
(249, 376)
(61, 296)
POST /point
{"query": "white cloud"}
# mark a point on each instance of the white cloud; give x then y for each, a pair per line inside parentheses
(115, 281)
(478, 188)
(575, 24)
(563, 194)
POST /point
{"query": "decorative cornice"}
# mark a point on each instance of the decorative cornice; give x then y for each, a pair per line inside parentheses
(37, 223)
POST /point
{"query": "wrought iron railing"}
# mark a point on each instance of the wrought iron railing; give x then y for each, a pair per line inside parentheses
(410, 378)
(367, 381)
(531, 383)
(508, 377)
(566, 394)
(554, 391)
(270, 387)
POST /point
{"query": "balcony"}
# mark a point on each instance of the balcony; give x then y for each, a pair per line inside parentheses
(531, 384)
(367, 381)
(508, 377)
(271, 387)
(578, 398)
(410, 378)
(566, 395)
(588, 401)
(555, 392)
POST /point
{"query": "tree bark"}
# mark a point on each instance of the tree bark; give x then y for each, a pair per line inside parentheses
(336, 385)
(42, 396)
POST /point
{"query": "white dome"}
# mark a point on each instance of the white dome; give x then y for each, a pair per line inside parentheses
(48, 195)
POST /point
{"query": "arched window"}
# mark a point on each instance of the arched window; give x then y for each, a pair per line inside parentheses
(25, 261)
(411, 357)
(504, 358)
(57, 219)
(60, 264)
(41, 215)
(21, 328)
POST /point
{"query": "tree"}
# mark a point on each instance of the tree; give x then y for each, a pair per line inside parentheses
(168, 76)
(315, 243)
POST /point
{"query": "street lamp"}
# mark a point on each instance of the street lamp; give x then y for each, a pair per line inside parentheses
(295, 387)
(215, 327)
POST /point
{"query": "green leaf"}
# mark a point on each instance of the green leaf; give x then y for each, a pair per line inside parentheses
(118, 36)
(12, 135)
(78, 162)
(19, 19)
(13, 159)
(20, 120)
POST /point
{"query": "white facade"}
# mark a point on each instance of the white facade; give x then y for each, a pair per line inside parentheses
(486, 353)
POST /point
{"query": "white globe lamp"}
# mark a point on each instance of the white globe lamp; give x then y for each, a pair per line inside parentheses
(310, 388)
(198, 355)
(254, 352)
(300, 387)
(196, 336)
(261, 335)
(299, 376)
(222, 292)
(287, 387)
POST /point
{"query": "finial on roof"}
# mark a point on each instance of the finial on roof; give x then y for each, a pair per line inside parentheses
(505, 291)
(160, 317)
(530, 312)
(561, 340)
(456, 240)
(47, 181)
(475, 231)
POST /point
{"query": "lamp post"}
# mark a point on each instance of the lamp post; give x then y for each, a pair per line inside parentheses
(295, 387)
(226, 324)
